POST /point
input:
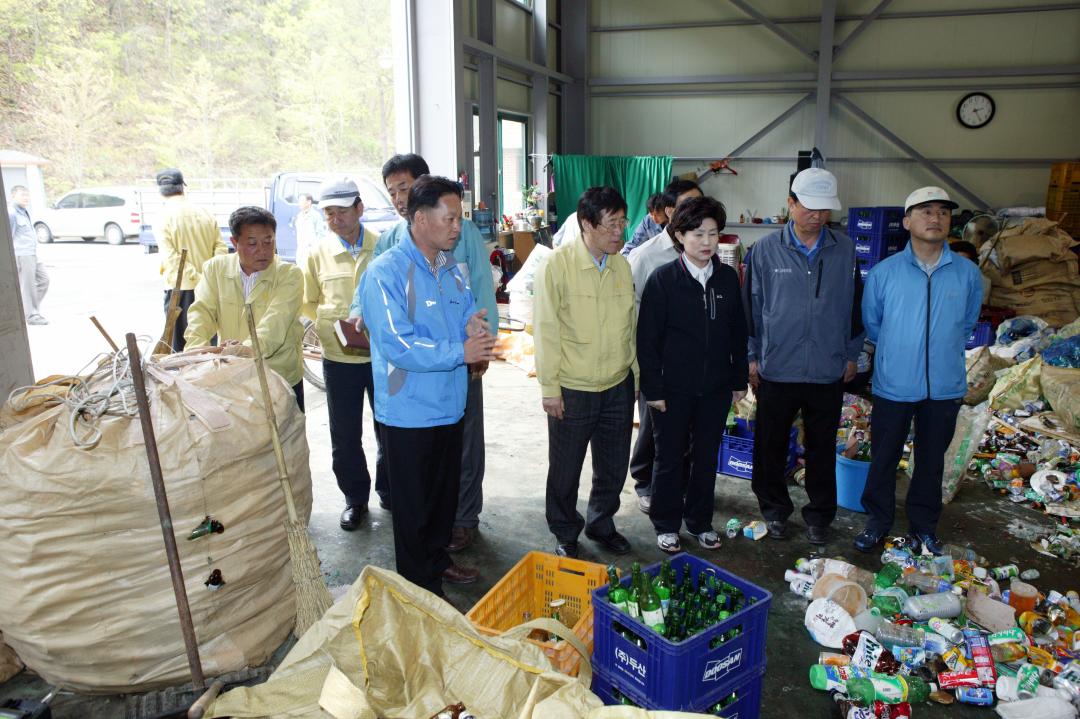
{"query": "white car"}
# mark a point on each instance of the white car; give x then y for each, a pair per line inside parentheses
(110, 212)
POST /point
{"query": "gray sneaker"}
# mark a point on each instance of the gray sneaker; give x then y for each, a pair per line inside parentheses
(708, 540)
(668, 543)
(644, 502)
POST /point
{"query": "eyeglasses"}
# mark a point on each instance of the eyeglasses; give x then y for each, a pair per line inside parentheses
(615, 225)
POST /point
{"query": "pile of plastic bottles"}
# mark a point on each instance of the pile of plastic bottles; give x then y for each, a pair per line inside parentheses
(943, 629)
(853, 434)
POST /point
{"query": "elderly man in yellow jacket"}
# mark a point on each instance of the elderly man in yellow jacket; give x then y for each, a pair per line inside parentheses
(255, 276)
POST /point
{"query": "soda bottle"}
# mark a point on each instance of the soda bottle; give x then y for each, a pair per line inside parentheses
(891, 690)
(888, 575)
(964, 553)
(886, 603)
(652, 612)
(925, 583)
(632, 594)
(617, 595)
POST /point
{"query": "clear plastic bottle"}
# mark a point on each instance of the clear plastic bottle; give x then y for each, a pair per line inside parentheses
(925, 583)
(898, 635)
(965, 553)
(945, 605)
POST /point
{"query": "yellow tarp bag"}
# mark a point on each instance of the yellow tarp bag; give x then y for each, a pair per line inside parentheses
(388, 650)
(1022, 383)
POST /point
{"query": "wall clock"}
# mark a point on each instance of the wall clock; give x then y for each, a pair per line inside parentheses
(976, 109)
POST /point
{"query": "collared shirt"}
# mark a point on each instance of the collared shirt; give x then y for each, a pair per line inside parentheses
(928, 269)
(275, 297)
(331, 274)
(649, 255)
(600, 263)
(701, 274)
(248, 281)
(23, 237)
(354, 248)
(809, 252)
(584, 322)
(187, 227)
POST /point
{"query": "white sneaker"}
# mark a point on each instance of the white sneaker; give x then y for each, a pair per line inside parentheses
(708, 540)
(668, 543)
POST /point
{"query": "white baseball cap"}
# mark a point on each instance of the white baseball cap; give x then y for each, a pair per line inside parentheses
(340, 192)
(929, 194)
(816, 189)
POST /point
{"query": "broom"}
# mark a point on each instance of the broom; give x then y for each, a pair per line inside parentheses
(312, 596)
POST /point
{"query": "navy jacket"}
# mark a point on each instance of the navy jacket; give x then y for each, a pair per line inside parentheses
(691, 341)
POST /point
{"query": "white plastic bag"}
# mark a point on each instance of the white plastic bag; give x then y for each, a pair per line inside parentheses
(828, 623)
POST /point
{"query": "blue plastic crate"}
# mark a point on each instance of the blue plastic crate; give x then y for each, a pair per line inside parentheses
(873, 246)
(746, 703)
(690, 673)
(865, 265)
(981, 336)
(737, 450)
(876, 220)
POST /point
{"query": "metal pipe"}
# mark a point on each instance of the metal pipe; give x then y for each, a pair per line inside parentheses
(722, 91)
(176, 573)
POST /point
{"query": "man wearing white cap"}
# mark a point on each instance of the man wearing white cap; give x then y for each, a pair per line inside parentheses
(331, 274)
(920, 306)
(802, 294)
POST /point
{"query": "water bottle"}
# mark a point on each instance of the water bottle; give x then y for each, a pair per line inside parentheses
(946, 629)
(943, 604)
(965, 553)
(925, 583)
(898, 635)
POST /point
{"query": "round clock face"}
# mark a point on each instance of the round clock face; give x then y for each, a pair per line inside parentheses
(975, 110)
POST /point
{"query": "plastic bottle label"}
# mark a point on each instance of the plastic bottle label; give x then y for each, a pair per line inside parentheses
(890, 691)
(634, 610)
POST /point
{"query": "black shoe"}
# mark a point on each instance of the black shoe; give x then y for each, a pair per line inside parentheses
(384, 503)
(613, 542)
(817, 535)
(929, 541)
(777, 529)
(566, 549)
(351, 517)
(868, 540)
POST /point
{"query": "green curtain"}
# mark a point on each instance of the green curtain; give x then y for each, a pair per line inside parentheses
(635, 177)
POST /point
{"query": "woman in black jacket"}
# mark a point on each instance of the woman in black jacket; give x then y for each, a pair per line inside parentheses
(691, 343)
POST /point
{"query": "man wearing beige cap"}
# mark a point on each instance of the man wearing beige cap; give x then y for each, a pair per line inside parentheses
(332, 272)
(801, 292)
(920, 306)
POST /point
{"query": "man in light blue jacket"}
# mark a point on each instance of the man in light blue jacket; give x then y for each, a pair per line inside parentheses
(420, 314)
(919, 307)
(399, 173)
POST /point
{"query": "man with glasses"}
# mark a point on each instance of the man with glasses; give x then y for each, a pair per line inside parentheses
(920, 307)
(584, 326)
(802, 292)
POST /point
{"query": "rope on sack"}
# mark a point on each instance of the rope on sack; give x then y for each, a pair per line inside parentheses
(107, 390)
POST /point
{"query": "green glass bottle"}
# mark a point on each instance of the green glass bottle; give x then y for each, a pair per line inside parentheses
(888, 575)
(617, 595)
(687, 583)
(652, 613)
(632, 594)
(662, 585)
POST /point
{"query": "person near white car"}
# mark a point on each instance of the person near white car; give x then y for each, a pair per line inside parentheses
(33, 280)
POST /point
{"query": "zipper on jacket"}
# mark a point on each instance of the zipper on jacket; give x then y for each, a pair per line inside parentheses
(928, 279)
(820, 272)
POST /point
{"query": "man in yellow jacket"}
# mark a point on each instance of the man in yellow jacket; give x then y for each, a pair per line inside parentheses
(183, 226)
(331, 275)
(584, 322)
(255, 276)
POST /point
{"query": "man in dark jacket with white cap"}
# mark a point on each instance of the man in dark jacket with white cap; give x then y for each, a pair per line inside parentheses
(802, 293)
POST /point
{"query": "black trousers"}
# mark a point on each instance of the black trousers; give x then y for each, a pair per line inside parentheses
(935, 422)
(425, 471)
(298, 390)
(641, 461)
(187, 299)
(678, 494)
(346, 385)
(604, 422)
(778, 403)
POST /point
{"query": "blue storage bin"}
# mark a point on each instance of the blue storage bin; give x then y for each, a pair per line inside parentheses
(876, 220)
(865, 265)
(746, 695)
(691, 673)
(981, 336)
(873, 246)
(850, 482)
(737, 450)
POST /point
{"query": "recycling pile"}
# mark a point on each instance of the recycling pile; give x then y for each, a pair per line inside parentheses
(853, 435)
(943, 629)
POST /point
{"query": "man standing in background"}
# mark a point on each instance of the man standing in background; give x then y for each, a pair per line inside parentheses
(33, 280)
(309, 226)
(184, 227)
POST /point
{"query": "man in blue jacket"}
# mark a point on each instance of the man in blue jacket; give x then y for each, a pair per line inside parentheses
(424, 328)
(802, 288)
(920, 306)
(399, 173)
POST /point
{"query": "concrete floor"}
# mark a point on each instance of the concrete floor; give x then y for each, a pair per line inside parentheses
(513, 519)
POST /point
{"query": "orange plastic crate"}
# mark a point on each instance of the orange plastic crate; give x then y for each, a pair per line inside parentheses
(526, 592)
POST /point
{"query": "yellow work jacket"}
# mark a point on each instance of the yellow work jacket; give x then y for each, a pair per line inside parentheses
(186, 227)
(331, 276)
(276, 297)
(584, 321)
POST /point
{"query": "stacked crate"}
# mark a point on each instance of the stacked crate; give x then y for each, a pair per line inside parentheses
(877, 232)
(724, 665)
(1063, 196)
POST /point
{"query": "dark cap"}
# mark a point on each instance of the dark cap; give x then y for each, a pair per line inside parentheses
(171, 176)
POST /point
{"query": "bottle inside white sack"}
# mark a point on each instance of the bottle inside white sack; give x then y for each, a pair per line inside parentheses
(1038, 708)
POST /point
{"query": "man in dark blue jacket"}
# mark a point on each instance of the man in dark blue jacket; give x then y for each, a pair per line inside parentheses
(920, 306)
(802, 288)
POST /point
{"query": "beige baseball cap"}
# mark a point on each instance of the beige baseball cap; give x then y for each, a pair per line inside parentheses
(929, 194)
(816, 189)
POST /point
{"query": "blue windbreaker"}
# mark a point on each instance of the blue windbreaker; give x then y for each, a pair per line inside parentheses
(416, 320)
(920, 324)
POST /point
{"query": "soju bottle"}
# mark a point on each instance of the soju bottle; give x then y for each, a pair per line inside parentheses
(662, 585)
(633, 594)
(556, 605)
(687, 584)
(652, 613)
(616, 594)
